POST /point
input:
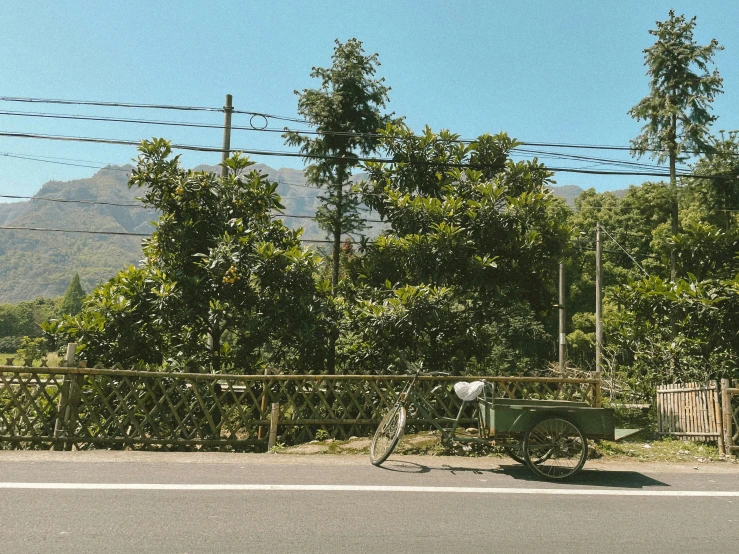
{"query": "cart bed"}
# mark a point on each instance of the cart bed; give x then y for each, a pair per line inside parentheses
(507, 418)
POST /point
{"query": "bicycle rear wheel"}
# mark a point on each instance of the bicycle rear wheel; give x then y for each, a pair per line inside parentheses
(388, 434)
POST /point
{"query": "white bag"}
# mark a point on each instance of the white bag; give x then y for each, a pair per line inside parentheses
(468, 391)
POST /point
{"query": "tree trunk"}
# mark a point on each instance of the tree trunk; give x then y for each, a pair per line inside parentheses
(333, 332)
(215, 347)
(674, 216)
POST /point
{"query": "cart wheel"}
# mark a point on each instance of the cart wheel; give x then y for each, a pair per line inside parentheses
(388, 434)
(516, 452)
(555, 449)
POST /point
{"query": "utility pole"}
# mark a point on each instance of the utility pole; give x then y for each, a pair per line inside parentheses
(214, 337)
(562, 332)
(598, 299)
(228, 110)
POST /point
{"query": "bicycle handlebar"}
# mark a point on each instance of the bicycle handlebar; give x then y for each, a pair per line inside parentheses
(413, 368)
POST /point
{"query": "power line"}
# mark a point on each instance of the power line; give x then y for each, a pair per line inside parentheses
(268, 116)
(43, 229)
(327, 157)
(66, 201)
(78, 117)
(146, 106)
(107, 104)
(103, 203)
(625, 251)
(252, 127)
(35, 159)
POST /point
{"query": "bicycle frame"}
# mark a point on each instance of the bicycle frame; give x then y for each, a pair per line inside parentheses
(425, 411)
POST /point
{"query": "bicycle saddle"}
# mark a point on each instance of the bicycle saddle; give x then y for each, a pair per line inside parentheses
(468, 391)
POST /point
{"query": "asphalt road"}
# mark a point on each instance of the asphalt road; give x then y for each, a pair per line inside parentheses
(187, 503)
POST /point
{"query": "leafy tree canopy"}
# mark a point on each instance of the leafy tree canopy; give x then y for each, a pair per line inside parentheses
(473, 245)
(346, 111)
(218, 264)
(682, 88)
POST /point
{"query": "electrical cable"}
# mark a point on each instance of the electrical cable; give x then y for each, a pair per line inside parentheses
(356, 158)
(123, 233)
(624, 251)
(297, 120)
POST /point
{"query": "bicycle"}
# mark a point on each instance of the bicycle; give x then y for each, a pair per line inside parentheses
(549, 436)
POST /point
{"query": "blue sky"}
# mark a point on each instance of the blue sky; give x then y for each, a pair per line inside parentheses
(564, 72)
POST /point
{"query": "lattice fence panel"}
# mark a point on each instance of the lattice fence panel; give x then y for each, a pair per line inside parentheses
(87, 408)
(29, 405)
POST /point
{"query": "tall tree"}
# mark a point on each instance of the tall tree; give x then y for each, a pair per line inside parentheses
(346, 113)
(72, 302)
(218, 264)
(677, 109)
(462, 279)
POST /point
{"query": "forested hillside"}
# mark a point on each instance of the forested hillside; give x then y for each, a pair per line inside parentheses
(41, 264)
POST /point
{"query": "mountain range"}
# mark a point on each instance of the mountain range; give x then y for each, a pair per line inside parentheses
(42, 263)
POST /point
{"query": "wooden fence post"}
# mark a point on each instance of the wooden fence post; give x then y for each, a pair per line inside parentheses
(716, 410)
(726, 410)
(70, 409)
(63, 407)
(273, 426)
(264, 401)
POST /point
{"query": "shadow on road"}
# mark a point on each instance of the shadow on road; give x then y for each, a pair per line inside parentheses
(587, 477)
(404, 467)
(592, 477)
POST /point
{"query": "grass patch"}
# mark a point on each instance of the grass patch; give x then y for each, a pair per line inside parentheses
(52, 359)
(662, 450)
(429, 444)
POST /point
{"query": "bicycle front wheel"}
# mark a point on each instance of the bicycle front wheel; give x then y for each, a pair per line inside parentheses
(388, 434)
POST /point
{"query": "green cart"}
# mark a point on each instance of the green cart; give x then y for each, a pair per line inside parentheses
(550, 436)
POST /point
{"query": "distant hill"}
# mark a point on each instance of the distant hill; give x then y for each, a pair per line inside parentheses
(43, 263)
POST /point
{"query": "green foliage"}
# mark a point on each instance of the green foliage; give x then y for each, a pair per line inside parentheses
(32, 349)
(718, 192)
(463, 279)
(346, 112)
(676, 332)
(677, 110)
(24, 319)
(218, 265)
(72, 301)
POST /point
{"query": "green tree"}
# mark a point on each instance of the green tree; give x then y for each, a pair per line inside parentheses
(717, 193)
(675, 332)
(464, 277)
(73, 297)
(218, 264)
(677, 109)
(346, 113)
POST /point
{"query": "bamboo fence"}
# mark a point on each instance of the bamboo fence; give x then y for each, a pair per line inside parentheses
(700, 412)
(82, 408)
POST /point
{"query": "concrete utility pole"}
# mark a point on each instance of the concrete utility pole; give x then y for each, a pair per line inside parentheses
(598, 298)
(214, 337)
(562, 331)
(228, 110)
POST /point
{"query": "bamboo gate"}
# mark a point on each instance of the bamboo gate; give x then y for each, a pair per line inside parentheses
(730, 405)
(700, 411)
(82, 408)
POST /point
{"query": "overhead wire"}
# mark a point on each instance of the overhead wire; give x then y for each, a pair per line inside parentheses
(294, 119)
(625, 251)
(330, 157)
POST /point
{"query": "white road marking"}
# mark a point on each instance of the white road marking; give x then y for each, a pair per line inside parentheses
(360, 488)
